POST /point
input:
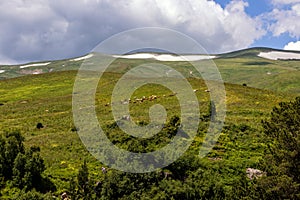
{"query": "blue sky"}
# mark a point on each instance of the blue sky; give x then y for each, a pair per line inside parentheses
(257, 8)
(38, 30)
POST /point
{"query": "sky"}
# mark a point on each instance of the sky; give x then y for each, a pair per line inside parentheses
(37, 30)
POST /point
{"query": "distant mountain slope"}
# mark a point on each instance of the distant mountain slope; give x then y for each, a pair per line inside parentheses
(254, 52)
(263, 68)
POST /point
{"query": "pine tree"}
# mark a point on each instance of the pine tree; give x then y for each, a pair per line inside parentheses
(282, 160)
(83, 181)
(284, 129)
(11, 146)
(27, 171)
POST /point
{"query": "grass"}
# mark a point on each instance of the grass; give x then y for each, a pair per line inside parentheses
(47, 98)
(241, 67)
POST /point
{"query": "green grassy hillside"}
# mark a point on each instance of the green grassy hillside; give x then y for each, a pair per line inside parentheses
(240, 67)
(47, 98)
(254, 85)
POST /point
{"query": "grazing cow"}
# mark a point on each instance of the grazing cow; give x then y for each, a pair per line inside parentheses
(39, 125)
(152, 97)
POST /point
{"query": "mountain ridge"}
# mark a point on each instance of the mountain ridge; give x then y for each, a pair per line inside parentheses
(246, 66)
(152, 51)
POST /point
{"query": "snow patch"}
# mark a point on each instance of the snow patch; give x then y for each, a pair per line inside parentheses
(82, 58)
(276, 55)
(2, 71)
(165, 57)
(34, 65)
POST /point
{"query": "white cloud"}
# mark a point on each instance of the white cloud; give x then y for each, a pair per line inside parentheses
(285, 20)
(53, 29)
(292, 46)
(282, 2)
(243, 30)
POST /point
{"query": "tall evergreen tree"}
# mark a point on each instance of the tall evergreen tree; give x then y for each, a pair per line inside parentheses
(11, 146)
(83, 181)
(282, 161)
(27, 171)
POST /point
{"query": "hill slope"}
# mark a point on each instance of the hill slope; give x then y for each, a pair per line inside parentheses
(46, 99)
(240, 67)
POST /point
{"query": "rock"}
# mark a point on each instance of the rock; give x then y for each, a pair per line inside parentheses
(103, 169)
(254, 173)
(64, 196)
(126, 117)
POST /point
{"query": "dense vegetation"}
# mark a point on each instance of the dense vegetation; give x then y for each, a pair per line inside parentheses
(42, 157)
(21, 169)
(187, 178)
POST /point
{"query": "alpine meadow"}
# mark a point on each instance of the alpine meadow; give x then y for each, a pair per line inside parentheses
(256, 155)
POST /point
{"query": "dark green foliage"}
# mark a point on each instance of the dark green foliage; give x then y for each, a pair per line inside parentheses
(278, 186)
(282, 161)
(82, 186)
(83, 181)
(196, 182)
(258, 63)
(284, 129)
(23, 168)
(32, 195)
(11, 144)
(72, 188)
(133, 144)
(181, 168)
(120, 184)
(35, 149)
(27, 171)
(205, 184)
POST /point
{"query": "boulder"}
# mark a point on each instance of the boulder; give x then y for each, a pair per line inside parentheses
(254, 173)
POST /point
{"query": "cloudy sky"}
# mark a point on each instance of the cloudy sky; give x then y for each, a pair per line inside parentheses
(35, 30)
